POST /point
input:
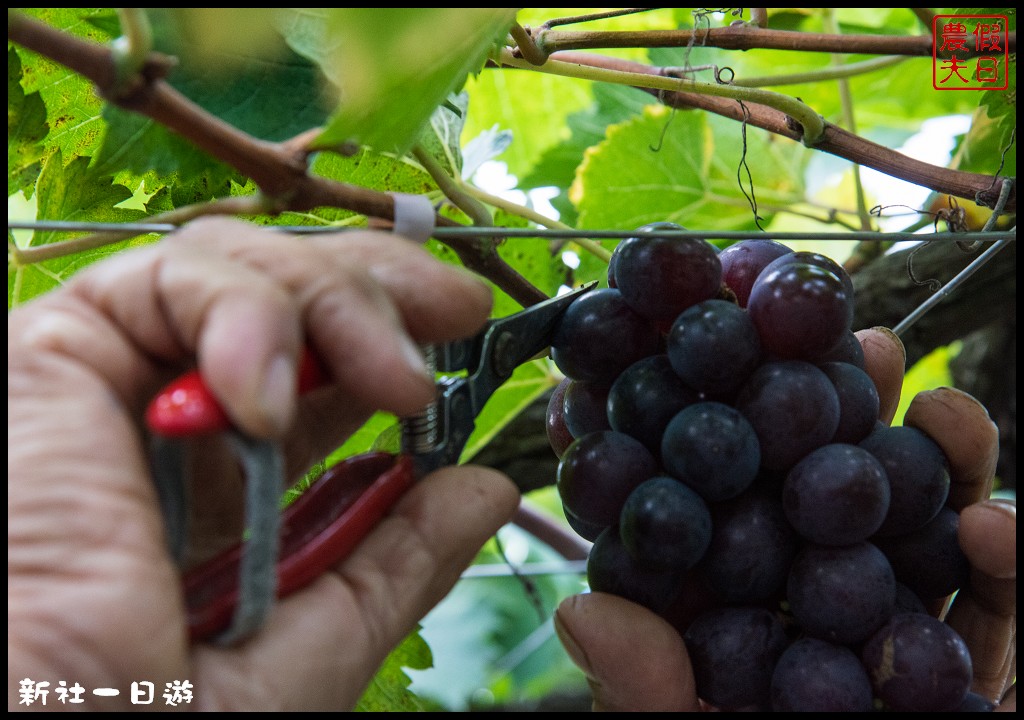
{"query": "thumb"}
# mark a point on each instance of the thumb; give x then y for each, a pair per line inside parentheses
(634, 660)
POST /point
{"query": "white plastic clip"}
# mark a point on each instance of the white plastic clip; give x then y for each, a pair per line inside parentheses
(414, 216)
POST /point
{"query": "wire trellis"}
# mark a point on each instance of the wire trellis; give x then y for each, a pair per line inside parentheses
(446, 233)
(999, 240)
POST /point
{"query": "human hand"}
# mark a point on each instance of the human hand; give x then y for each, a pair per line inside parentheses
(93, 596)
(635, 660)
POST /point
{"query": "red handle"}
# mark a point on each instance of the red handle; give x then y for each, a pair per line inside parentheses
(187, 407)
(319, 530)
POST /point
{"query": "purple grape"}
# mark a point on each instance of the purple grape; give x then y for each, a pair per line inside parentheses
(734, 651)
(660, 277)
(665, 525)
(794, 409)
(645, 397)
(929, 560)
(801, 311)
(818, 676)
(714, 347)
(712, 448)
(836, 495)
(918, 476)
(599, 336)
(918, 664)
(841, 594)
(858, 401)
(584, 408)
(611, 569)
(742, 262)
(559, 436)
(598, 472)
(752, 547)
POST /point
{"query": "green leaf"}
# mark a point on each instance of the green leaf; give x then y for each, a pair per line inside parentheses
(527, 383)
(513, 102)
(682, 167)
(270, 94)
(72, 106)
(68, 193)
(612, 104)
(442, 136)
(389, 689)
(982, 149)
(396, 65)
(26, 129)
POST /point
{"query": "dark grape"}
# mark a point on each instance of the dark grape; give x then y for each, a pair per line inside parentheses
(976, 702)
(599, 336)
(598, 472)
(742, 262)
(558, 433)
(929, 560)
(734, 651)
(818, 676)
(611, 569)
(907, 600)
(752, 547)
(918, 476)
(848, 350)
(712, 448)
(660, 277)
(586, 530)
(584, 408)
(793, 408)
(665, 525)
(841, 594)
(858, 401)
(645, 397)
(613, 261)
(801, 311)
(825, 263)
(918, 664)
(714, 347)
(836, 495)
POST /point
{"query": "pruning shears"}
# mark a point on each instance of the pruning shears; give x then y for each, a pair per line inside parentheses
(229, 596)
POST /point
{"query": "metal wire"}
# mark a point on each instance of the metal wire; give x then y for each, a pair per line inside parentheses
(949, 287)
(443, 233)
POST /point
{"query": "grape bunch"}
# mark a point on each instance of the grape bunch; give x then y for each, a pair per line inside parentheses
(719, 444)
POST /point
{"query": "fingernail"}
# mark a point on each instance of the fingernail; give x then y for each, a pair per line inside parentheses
(572, 647)
(895, 339)
(413, 357)
(277, 394)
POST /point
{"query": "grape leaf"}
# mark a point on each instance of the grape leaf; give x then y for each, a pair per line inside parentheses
(612, 104)
(682, 168)
(514, 101)
(69, 192)
(396, 65)
(269, 95)
(26, 129)
(441, 138)
(389, 689)
(72, 106)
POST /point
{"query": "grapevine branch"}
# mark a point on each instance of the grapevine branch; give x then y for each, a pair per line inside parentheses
(278, 169)
(743, 36)
(976, 187)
